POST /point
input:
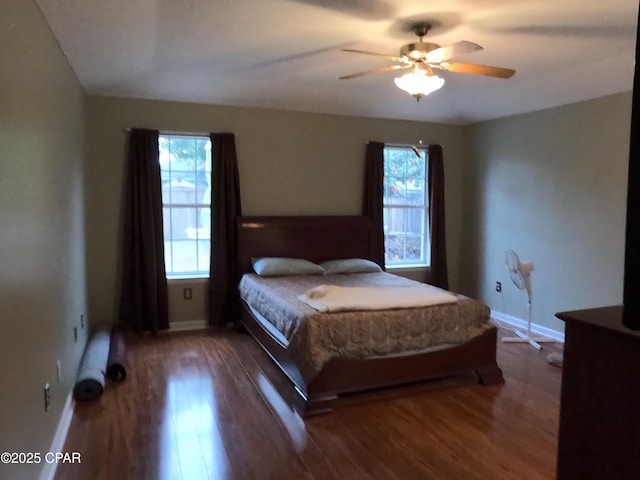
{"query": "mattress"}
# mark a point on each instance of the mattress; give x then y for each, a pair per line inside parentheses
(315, 337)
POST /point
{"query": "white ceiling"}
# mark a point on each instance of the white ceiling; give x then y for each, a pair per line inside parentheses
(286, 54)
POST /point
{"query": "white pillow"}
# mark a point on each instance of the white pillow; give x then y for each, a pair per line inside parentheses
(350, 265)
(273, 266)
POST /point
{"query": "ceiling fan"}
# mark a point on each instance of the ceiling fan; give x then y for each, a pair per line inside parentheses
(423, 58)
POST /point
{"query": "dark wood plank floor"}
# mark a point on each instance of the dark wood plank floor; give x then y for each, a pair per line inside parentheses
(206, 405)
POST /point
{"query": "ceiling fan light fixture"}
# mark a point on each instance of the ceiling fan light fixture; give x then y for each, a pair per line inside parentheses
(419, 84)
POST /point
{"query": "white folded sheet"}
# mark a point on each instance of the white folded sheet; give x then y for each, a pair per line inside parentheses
(333, 298)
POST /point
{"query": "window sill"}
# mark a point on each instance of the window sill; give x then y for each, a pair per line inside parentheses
(189, 280)
(407, 267)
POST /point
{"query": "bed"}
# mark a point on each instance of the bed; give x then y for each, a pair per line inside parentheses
(319, 373)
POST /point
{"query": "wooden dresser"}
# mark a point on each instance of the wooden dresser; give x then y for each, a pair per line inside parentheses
(599, 435)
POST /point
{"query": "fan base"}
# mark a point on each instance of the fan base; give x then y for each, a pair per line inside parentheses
(533, 340)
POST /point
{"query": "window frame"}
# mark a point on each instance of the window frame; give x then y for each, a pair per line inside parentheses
(171, 274)
(425, 246)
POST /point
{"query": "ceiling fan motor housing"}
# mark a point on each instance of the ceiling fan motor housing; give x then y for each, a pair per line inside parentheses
(418, 51)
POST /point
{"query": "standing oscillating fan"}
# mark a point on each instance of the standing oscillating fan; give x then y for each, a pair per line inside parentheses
(520, 273)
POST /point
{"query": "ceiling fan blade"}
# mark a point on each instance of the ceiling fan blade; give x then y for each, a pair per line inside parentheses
(475, 69)
(391, 57)
(449, 51)
(377, 70)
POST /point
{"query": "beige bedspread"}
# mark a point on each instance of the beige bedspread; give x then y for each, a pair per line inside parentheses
(316, 337)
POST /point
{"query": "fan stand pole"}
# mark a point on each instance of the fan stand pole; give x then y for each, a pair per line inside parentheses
(527, 337)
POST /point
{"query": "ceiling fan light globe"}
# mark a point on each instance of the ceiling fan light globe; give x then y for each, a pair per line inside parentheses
(419, 84)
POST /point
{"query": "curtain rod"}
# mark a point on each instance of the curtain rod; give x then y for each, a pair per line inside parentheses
(419, 145)
(186, 134)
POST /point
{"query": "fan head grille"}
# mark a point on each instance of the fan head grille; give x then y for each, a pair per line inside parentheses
(513, 265)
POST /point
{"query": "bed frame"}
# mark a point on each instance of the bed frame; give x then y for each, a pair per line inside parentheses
(327, 237)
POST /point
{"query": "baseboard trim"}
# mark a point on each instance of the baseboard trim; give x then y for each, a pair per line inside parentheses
(188, 325)
(522, 325)
(57, 445)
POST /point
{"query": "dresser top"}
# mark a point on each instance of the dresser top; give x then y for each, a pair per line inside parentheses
(604, 317)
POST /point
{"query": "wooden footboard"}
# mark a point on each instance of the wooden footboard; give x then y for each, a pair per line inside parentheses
(349, 375)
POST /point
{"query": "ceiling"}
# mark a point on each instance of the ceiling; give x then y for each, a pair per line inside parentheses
(285, 54)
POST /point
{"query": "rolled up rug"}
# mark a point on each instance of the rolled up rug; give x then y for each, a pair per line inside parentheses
(91, 376)
(117, 362)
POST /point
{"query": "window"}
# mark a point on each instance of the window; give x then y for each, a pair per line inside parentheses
(406, 226)
(185, 169)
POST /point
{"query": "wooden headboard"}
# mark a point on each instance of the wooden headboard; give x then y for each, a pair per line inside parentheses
(314, 238)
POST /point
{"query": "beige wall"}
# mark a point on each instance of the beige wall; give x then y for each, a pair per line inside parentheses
(42, 269)
(290, 164)
(552, 186)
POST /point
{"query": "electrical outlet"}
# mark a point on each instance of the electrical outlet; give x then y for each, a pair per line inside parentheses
(498, 287)
(47, 397)
(187, 294)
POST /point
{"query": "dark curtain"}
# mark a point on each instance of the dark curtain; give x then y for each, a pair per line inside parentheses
(143, 299)
(438, 269)
(373, 199)
(224, 300)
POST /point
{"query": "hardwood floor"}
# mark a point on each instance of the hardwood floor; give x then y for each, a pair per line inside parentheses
(206, 405)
